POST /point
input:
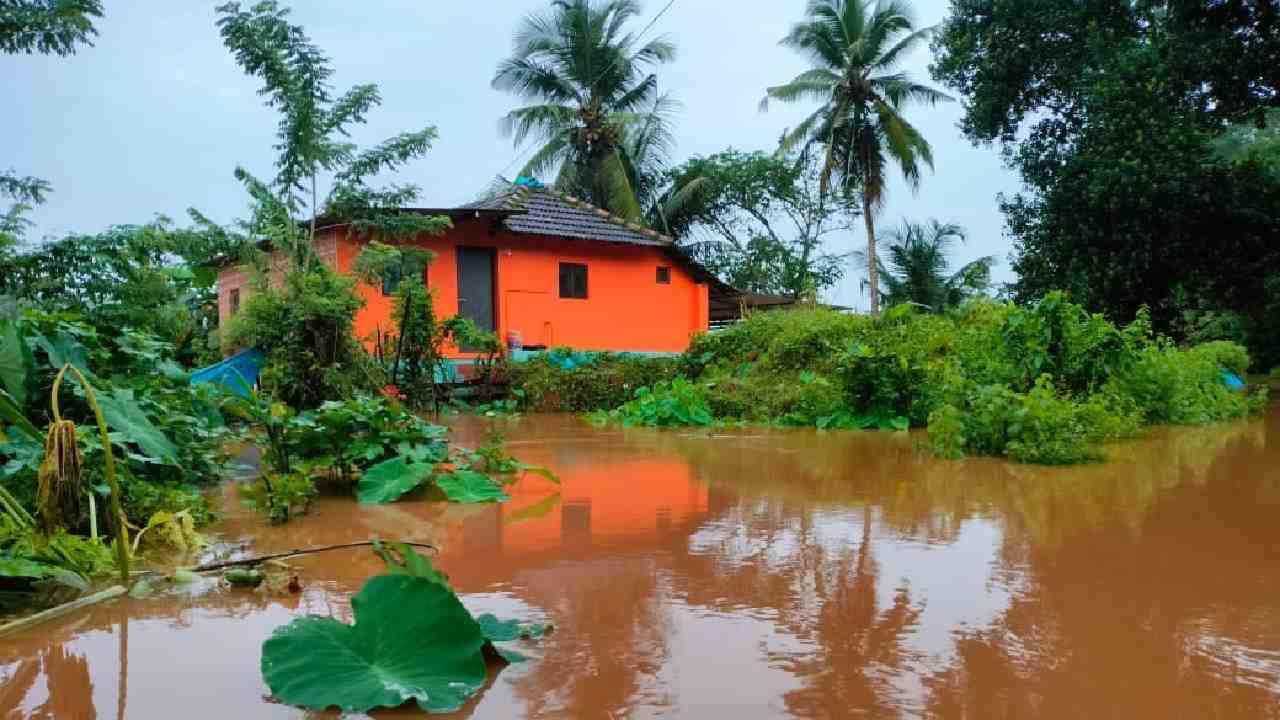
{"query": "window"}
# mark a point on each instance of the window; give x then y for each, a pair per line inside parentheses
(391, 280)
(664, 276)
(235, 300)
(573, 281)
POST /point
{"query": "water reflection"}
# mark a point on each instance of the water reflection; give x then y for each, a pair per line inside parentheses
(771, 574)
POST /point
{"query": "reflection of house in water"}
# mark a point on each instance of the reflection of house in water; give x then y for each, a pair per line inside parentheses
(598, 507)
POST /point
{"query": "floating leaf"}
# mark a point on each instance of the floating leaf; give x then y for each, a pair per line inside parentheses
(125, 416)
(469, 486)
(244, 577)
(504, 634)
(390, 479)
(412, 640)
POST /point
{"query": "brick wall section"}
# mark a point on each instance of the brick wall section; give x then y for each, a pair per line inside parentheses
(238, 277)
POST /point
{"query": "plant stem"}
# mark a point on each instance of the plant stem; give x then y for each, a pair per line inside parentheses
(122, 531)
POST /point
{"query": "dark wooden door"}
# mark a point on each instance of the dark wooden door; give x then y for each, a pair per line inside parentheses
(475, 286)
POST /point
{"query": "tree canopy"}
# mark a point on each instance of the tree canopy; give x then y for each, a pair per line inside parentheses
(595, 113)
(915, 267)
(47, 26)
(759, 220)
(855, 50)
(1141, 133)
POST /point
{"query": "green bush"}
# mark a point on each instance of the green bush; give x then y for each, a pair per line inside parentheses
(604, 383)
(669, 403)
(304, 327)
(1045, 383)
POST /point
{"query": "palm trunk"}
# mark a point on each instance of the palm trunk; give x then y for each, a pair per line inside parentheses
(873, 265)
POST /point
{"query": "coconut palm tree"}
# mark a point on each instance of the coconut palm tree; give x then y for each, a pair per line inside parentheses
(591, 97)
(855, 49)
(917, 271)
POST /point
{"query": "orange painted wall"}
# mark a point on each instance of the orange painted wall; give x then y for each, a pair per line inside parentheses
(626, 308)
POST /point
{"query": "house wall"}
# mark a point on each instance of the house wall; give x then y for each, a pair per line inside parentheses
(626, 309)
(238, 277)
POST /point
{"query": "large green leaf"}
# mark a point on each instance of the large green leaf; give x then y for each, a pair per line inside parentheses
(64, 349)
(388, 480)
(469, 486)
(20, 567)
(505, 635)
(412, 640)
(125, 416)
(16, 362)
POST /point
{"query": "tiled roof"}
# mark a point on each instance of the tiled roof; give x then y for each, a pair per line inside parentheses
(541, 211)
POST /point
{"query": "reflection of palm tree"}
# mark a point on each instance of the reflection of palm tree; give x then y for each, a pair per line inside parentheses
(861, 645)
(598, 670)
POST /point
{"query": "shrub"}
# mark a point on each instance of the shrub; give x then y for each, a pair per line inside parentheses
(305, 329)
(669, 403)
(603, 383)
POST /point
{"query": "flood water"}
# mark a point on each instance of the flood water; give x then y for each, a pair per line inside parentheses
(767, 574)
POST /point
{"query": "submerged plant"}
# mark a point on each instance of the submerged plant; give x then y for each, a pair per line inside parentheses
(412, 641)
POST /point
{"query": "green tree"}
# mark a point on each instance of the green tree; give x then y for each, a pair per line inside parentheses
(47, 26)
(26, 193)
(314, 129)
(855, 48)
(759, 220)
(917, 269)
(591, 96)
(1114, 114)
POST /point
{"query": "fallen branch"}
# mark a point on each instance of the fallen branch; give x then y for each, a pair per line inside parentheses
(305, 551)
(56, 612)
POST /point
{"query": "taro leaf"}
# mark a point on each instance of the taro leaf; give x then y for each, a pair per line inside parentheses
(504, 635)
(469, 486)
(11, 413)
(125, 416)
(64, 349)
(388, 480)
(432, 452)
(412, 640)
(18, 567)
(16, 362)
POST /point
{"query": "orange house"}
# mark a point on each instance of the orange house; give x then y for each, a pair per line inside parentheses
(541, 267)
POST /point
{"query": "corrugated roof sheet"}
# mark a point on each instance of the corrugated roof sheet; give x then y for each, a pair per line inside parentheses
(541, 211)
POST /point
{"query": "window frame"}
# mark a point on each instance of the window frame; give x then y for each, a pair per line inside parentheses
(391, 279)
(233, 301)
(573, 268)
(663, 275)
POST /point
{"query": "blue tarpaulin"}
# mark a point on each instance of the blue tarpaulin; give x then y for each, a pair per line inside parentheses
(1232, 380)
(238, 373)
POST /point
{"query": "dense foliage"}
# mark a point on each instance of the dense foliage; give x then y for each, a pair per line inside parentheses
(165, 437)
(1133, 126)
(1046, 383)
(559, 382)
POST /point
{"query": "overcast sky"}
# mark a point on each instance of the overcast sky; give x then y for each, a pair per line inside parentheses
(155, 117)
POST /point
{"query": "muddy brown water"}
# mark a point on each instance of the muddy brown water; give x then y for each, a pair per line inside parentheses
(764, 574)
